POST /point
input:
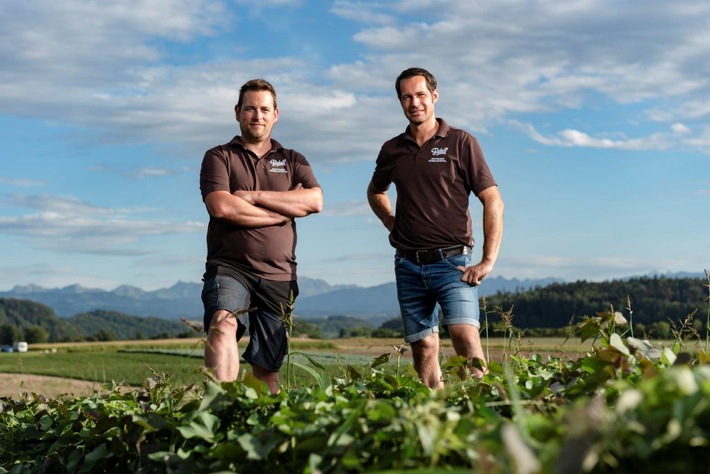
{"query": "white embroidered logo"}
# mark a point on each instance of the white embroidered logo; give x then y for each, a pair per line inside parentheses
(436, 155)
(278, 166)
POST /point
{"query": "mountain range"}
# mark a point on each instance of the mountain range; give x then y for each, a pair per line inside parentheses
(317, 298)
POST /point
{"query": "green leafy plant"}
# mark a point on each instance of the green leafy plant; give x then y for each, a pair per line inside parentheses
(626, 405)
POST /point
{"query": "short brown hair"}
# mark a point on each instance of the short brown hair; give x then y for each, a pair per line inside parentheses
(256, 85)
(413, 72)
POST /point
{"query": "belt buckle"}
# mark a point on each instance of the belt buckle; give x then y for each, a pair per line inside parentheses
(416, 256)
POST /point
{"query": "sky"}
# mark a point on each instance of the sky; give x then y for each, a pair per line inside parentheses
(593, 115)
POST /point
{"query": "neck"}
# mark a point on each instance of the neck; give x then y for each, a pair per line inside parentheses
(422, 132)
(258, 148)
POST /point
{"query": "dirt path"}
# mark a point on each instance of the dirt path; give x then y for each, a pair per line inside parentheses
(14, 385)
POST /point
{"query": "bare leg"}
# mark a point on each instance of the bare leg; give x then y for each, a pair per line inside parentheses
(222, 351)
(466, 340)
(271, 378)
(426, 361)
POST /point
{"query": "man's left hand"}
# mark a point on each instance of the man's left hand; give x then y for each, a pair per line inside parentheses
(474, 274)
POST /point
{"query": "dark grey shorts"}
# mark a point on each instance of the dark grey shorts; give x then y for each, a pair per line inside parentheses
(233, 290)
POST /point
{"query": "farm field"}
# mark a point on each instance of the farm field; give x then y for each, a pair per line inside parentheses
(81, 369)
(611, 403)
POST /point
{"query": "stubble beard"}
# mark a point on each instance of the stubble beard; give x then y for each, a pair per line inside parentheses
(250, 135)
(417, 119)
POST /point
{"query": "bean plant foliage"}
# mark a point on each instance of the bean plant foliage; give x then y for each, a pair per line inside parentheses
(626, 406)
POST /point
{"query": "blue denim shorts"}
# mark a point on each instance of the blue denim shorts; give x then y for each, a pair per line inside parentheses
(421, 287)
(232, 290)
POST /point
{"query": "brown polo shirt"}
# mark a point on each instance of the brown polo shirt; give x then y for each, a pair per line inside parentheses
(433, 185)
(267, 252)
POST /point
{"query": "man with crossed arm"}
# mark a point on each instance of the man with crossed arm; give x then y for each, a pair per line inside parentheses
(253, 189)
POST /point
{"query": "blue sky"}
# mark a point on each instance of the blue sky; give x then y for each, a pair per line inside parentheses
(593, 115)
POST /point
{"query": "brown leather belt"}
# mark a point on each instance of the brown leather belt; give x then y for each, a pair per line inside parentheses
(424, 257)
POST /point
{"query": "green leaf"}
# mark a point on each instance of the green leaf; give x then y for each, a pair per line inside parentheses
(383, 359)
(311, 360)
(353, 373)
(617, 343)
(645, 348)
(213, 393)
(667, 356)
(203, 425)
(101, 452)
(321, 377)
(258, 449)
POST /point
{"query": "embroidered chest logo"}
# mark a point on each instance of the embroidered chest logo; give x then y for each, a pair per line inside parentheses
(438, 155)
(278, 166)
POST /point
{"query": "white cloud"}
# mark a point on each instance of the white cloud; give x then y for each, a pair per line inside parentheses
(348, 209)
(576, 138)
(361, 13)
(109, 68)
(21, 183)
(147, 172)
(680, 129)
(71, 225)
(581, 268)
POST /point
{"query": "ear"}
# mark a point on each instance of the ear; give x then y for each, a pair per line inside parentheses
(276, 114)
(434, 95)
(237, 112)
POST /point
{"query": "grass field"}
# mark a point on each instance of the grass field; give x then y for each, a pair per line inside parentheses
(134, 362)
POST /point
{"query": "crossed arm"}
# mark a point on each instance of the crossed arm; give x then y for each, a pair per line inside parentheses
(264, 208)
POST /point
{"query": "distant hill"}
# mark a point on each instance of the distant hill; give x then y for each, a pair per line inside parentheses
(180, 300)
(317, 298)
(115, 325)
(94, 325)
(655, 301)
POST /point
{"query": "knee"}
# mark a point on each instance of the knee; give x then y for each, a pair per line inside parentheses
(463, 332)
(426, 346)
(222, 324)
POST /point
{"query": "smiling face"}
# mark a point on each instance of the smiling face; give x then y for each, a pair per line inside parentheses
(257, 116)
(417, 100)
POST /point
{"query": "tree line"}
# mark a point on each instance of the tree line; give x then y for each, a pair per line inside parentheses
(655, 306)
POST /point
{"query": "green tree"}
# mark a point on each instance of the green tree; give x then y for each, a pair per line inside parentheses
(103, 335)
(306, 328)
(9, 333)
(661, 329)
(386, 332)
(357, 331)
(36, 334)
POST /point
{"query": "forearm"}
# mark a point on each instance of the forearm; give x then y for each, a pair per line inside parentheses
(381, 206)
(492, 229)
(298, 202)
(222, 205)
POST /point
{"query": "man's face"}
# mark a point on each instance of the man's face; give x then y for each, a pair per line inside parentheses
(257, 116)
(416, 100)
